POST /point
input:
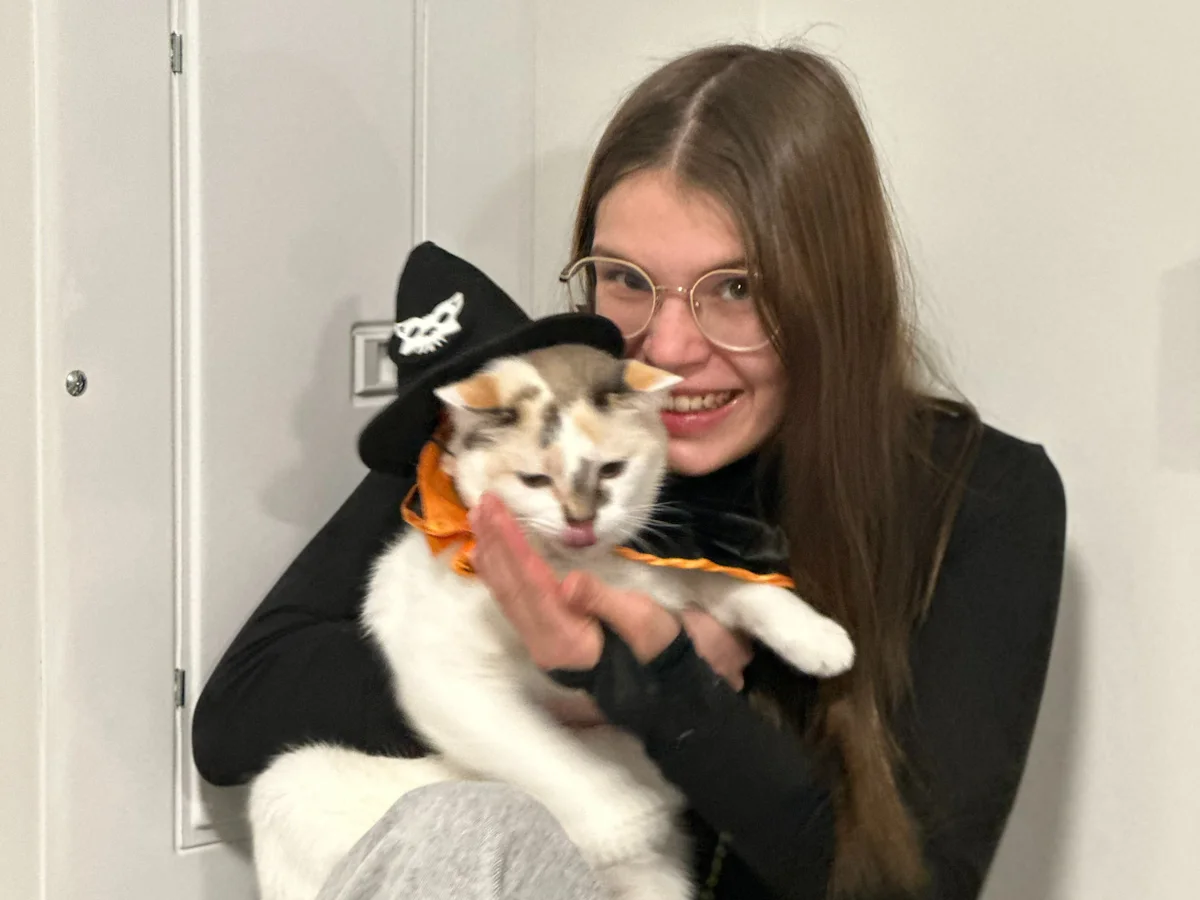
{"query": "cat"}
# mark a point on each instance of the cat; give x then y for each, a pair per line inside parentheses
(571, 440)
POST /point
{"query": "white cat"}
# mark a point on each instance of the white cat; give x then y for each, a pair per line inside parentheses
(572, 441)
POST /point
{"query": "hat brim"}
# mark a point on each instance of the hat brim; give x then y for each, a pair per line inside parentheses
(392, 441)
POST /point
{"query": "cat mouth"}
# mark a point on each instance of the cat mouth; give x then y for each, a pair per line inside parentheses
(578, 535)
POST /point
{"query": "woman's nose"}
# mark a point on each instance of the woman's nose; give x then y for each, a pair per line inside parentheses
(673, 341)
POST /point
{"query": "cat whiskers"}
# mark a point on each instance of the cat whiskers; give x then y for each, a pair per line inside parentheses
(644, 519)
(541, 525)
(544, 527)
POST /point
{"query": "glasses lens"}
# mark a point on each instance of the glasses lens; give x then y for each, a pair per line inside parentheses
(726, 311)
(617, 290)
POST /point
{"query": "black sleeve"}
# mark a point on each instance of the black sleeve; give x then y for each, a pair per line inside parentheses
(979, 667)
(301, 669)
(742, 775)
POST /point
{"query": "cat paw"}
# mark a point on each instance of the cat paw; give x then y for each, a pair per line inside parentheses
(609, 833)
(821, 647)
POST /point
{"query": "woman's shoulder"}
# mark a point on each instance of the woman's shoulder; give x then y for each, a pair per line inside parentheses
(1011, 482)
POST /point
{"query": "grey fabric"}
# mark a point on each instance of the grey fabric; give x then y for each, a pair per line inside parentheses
(464, 841)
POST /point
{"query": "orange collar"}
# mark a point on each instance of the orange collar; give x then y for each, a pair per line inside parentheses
(443, 520)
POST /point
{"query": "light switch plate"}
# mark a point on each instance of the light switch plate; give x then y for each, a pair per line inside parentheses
(374, 373)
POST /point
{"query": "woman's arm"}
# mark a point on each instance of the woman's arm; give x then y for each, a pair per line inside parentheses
(741, 774)
(979, 662)
(301, 669)
(979, 665)
(744, 777)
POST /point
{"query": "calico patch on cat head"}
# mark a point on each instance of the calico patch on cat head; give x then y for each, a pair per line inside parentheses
(567, 372)
(450, 320)
(570, 437)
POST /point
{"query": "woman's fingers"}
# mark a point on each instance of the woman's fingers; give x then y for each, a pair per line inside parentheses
(576, 710)
(506, 549)
(522, 583)
(727, 652)
(529, 593)
(644, 625)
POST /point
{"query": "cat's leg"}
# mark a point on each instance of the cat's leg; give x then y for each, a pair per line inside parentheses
(667, 875)
(482, 721)
(803, 637)
(311, 805)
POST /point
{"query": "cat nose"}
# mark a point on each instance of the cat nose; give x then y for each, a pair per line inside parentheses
(580, 520)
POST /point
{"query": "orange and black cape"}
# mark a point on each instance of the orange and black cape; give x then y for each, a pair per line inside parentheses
(708, 532)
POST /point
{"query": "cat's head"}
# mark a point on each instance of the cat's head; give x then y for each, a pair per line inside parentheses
(568, 437)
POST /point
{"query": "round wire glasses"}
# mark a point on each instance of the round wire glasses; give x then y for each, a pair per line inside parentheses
(721, 302)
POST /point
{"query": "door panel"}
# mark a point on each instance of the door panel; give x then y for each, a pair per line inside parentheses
(295, 200)
(210, 245)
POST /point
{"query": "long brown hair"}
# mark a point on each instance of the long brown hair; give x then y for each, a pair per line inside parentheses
(776, 135)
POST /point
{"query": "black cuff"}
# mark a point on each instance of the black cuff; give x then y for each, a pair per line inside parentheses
(631, 694)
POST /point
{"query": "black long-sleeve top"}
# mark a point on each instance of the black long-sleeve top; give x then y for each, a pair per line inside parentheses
(301, 669)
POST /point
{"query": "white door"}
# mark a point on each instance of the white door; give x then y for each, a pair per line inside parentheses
(216, 242)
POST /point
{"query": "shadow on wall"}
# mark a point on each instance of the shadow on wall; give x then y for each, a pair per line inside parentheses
(301, 491)
(1029, 862)
(230, 821)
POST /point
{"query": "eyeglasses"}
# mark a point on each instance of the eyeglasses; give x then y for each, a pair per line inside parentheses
(720, 300)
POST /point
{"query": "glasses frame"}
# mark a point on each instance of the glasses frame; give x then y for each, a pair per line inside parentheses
(660, 291)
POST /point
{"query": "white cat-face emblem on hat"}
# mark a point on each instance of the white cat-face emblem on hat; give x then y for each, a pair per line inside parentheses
(424, 334)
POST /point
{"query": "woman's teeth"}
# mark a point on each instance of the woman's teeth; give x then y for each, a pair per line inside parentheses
(694, 402)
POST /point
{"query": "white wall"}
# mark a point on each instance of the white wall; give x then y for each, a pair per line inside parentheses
(19, 658)
(1045, 161)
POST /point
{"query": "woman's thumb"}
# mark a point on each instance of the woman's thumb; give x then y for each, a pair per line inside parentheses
(584, 593)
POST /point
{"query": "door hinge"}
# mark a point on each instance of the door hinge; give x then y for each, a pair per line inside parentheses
(180, 688)
(176, 52)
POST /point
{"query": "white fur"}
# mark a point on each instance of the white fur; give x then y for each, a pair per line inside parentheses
(464, 680)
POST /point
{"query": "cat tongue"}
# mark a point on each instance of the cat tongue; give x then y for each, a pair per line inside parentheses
(583, 535)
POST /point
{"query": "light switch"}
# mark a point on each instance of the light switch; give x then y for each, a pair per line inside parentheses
(374, 372)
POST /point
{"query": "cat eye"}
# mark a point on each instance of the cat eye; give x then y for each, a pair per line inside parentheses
(612, 469)
(534, 480)
(603, 399)
(501, 415)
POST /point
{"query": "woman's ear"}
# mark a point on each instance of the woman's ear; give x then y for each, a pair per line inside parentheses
(644, 379)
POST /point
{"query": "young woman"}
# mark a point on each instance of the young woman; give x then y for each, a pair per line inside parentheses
(804, 411)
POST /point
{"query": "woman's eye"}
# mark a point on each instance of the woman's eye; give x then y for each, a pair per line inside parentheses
(736, 289)
(634, 282)
(623, 277)
(612, 469)
(534, 480)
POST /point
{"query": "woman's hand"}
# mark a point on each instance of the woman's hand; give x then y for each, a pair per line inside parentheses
(726, 651)
(558, 621)
(557, 635)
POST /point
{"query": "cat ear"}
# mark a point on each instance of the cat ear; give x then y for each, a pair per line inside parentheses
(478, 392)
(646, 379)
